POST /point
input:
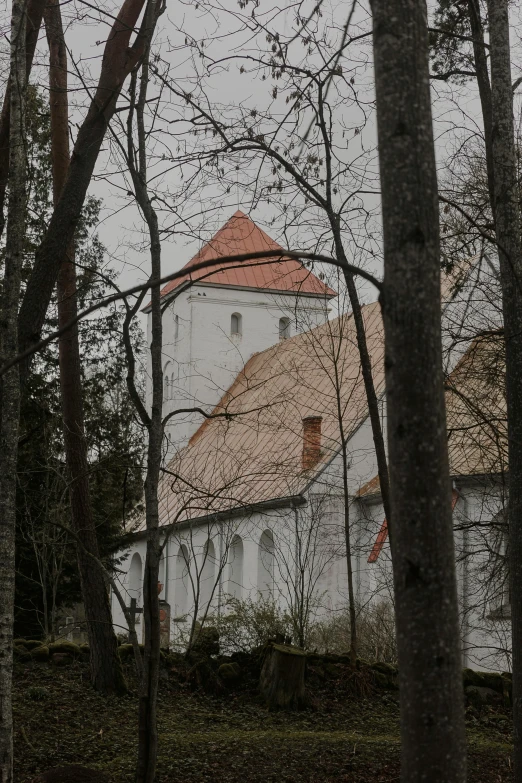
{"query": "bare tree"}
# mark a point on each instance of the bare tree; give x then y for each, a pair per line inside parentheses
(118, 60)
(507, 232)
(34, 11)
(503, 231)
(106, 672)
(10, 403)
(432, 710)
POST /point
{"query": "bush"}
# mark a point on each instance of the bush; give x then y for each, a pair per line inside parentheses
(247, 624)
(206, 641)
(375, 633)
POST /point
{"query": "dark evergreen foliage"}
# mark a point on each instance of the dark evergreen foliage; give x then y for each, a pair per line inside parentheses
(47, 573)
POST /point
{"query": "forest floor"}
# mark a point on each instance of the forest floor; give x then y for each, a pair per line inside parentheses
(229, 737)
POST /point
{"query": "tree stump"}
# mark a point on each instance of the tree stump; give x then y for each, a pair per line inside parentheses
(282, 681)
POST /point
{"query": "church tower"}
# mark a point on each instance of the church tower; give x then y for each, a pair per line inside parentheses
(213, 326)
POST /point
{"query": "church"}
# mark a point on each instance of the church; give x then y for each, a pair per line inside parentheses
(270, 487)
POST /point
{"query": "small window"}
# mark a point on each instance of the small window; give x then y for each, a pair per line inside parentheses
(284, 328)
(235, 324)
(166, 388)
(176, 327)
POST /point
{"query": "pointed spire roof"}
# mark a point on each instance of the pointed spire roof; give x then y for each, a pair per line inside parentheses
(241, 235)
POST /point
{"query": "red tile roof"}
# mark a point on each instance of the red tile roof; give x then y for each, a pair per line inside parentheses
(241, 235)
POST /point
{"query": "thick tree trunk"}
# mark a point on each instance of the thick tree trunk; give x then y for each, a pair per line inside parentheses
(118, 60)
(35, 9)
(10, 405)
(106, 671)
(507, 227)
(428, 634)
(282, 680)
(481, 69)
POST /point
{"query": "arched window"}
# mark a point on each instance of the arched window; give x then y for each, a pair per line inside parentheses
(166, 385)
(207, 576)
(182, 581)
(284, 328)
(236, 324)
(235, 567)
(135, 578)
(265, 564)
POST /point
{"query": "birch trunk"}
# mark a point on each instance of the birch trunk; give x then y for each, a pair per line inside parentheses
(428, 635)
(106, 671)
(506, 209)
(10, 404)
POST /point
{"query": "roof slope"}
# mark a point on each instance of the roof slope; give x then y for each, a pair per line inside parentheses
(475, 414)
(252, 452)
(241, 235)
(476, 410)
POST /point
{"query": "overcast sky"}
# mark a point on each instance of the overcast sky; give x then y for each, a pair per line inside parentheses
(456, 112)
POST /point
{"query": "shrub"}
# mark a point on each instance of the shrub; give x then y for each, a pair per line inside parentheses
(247, 624)
(375, 633)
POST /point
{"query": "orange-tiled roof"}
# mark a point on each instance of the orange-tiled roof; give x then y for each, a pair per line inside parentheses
(251, 452)
(476, 410)
(255, 455)
(372, 487)
(475, 414)
(241, 235)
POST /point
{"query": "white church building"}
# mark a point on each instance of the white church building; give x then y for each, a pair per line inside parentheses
(275, 429)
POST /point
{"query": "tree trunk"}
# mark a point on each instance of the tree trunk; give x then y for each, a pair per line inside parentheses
(10, 404)
(423, 555)
(35, 9)
(148, 699)
(282, 680)
(118, 60)
(371, 396)
(484, 86)
(106, 670)
(507, 227)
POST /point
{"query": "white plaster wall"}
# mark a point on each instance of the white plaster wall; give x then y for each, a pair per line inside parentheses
(485, 641)
(205, 357)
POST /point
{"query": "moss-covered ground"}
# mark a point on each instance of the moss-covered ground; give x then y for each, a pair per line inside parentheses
(228, 736)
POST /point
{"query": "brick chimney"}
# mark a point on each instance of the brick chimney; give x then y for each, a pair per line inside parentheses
(311, 441)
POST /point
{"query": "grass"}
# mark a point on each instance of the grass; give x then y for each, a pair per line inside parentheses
(229, 737)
